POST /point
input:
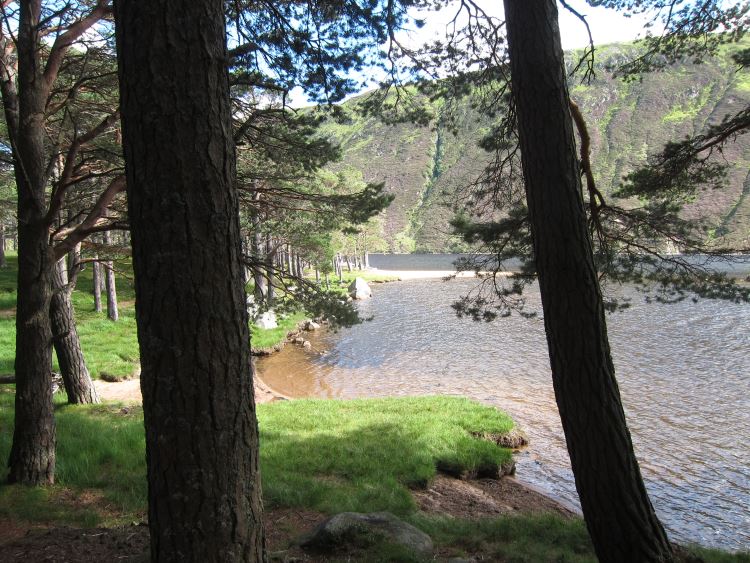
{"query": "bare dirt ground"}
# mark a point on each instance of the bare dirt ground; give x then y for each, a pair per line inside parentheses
(129, 391)
(445, 496)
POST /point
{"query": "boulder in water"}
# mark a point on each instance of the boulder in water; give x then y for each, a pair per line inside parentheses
(359, 289)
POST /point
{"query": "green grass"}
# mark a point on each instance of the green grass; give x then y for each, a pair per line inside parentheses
(109, 347)
(518, 539)
(261, 339)
(329, 456)
(100, 449)
(363, 455)
(341, 287)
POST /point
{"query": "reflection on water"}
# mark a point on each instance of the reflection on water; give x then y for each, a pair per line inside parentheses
(683, 371)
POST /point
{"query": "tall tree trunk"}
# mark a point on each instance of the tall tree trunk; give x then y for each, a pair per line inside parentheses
(2, 245)
(75, 374)
(367, 260)
(96, 274)
(270, 273)
(289, 255)
(32, 455)
(257, 251)
(113, 312)
(197, 379)
(618, 512)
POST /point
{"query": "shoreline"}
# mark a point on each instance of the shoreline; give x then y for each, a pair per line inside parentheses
(406, 275)
(516, 493)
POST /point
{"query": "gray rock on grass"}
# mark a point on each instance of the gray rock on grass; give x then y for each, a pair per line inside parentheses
(353, 529)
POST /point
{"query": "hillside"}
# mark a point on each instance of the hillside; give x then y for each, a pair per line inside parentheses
(425, 166)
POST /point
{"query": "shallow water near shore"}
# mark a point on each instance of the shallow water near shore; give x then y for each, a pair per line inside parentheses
(683, 370)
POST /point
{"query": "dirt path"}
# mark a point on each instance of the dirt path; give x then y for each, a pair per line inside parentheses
(129, 391)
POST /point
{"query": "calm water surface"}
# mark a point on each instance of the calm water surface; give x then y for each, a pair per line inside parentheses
(684, 374)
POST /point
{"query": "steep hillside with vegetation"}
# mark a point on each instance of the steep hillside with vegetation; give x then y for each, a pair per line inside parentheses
(426, 166)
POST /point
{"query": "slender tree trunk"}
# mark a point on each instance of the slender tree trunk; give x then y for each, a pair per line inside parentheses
(113, 312)
(32, 455)
(197, 379)
(74, 256)
(340, 267)
(270, 273)
(2, 245)
(289, 260)
(317, 276)
(618, 512)
(256, 246)
(367, 260)
(96, 274)
(75, 374)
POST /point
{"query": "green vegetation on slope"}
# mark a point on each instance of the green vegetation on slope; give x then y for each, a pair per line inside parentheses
(425, 167)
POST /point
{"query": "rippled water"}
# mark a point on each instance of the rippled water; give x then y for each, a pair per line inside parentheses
(683, 369)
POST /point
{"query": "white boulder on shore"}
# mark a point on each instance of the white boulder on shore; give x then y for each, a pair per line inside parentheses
(267, 320)
(359, 289)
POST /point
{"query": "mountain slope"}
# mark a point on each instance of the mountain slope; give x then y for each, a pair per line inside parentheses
(425, 167)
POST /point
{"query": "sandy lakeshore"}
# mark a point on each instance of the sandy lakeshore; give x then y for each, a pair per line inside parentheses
(129, 391)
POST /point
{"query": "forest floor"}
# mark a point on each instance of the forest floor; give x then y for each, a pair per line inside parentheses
(445, 497)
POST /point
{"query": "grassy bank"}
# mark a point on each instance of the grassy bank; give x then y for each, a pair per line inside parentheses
(324, 456)
(329, 456)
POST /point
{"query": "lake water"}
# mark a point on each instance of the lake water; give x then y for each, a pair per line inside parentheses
(683, 369)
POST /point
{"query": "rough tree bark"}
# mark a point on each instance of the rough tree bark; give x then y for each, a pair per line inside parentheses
(67, 345)
(197, 378)
(25, 95)
(616, 507)
(32, 456)
(113, 312)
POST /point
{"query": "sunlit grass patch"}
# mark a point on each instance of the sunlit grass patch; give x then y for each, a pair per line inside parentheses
(262, 339)
(363, 455)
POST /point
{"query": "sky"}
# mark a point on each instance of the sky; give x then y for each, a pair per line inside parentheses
(607, 26)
